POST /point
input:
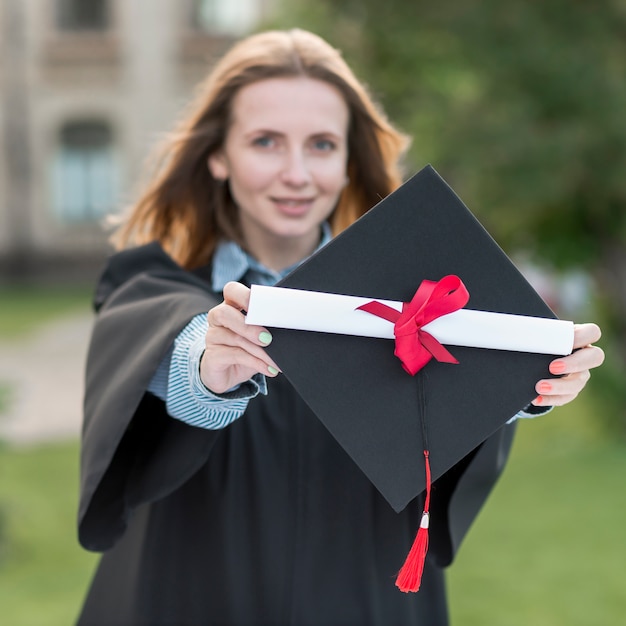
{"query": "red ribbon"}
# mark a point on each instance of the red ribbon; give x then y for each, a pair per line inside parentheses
(414, 346)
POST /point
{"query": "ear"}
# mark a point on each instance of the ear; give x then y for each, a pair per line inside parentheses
(218, 166)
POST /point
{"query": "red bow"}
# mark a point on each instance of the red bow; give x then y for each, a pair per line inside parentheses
(414, 346)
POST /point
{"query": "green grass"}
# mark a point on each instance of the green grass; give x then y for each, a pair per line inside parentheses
(43, 571)
(5, 396)
(549, 549)
(23, 309)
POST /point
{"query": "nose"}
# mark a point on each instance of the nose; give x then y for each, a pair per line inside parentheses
(296, 172)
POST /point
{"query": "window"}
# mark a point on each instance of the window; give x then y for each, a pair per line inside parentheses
(90, 15)
(84, 172)
(233, 17)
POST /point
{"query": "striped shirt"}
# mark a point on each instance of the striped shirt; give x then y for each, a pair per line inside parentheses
(177, 380)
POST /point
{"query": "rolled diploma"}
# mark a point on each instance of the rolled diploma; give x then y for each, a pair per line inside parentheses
(298, 309)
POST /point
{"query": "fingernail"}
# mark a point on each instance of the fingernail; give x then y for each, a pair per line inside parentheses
(545, 387)
(272, 370)
(539, 400)
(265, 338)
(557, 367)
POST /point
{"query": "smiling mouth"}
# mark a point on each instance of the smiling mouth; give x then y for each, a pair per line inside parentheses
(293, 206)
(293, 201)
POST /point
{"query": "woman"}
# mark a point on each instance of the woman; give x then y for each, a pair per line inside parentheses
(215, 493)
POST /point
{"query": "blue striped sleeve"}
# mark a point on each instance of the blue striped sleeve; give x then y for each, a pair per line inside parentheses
(177, 382)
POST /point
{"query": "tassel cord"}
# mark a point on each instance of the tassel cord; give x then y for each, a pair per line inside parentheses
(410, 576)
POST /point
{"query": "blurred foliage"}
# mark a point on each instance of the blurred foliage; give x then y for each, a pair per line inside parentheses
(521, 107)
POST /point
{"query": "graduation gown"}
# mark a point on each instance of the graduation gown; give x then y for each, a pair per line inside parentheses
(267, 521)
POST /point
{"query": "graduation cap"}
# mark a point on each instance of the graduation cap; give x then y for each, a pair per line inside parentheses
(382, 416)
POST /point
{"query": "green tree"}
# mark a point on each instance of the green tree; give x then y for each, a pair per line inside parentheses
(522, 107)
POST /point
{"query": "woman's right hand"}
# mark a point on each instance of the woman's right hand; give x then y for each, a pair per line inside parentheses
(234, 350)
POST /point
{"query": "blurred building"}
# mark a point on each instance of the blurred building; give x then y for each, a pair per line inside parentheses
(86, 87)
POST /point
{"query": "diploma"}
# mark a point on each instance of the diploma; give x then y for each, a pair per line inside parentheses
(332, 313)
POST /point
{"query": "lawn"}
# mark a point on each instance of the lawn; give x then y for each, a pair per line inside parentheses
(547, 550)
(24, 308)
(43, 571)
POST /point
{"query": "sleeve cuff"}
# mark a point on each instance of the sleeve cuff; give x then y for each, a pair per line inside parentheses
(244, 391)
(530, 411)
(188, 400)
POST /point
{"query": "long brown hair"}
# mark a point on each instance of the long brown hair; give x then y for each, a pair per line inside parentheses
(188, 211)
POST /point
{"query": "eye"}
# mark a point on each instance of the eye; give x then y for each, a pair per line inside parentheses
(264, 141)
(324, 145)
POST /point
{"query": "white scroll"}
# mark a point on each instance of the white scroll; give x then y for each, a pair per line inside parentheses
(298, 309)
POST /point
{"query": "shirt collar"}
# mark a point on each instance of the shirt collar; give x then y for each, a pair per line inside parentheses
(231, 262)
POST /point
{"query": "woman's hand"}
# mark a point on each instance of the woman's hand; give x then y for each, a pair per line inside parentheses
(574, 369)
(234, 351)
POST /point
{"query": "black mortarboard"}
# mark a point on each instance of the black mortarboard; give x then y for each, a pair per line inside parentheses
(358, 388)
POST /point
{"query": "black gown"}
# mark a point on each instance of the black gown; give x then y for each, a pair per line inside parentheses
(267, 521)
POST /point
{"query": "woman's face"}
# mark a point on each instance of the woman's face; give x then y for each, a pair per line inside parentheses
(285, 158)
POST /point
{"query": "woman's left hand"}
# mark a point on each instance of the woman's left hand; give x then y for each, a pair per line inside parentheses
(573, 369)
